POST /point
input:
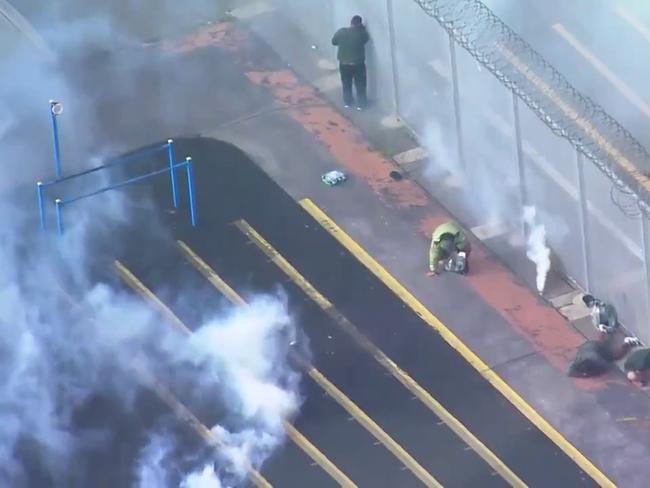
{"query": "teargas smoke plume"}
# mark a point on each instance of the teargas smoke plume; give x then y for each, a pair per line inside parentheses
(247, 353)
(56, 354)
(536, 249)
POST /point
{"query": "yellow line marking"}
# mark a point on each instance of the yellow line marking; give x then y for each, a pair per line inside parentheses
(140, 288)
(300, 440)
(602, 68)
(366, 344)
(313, 452)
(628, 17)
(205, 269)
(349, 406)
(371, 426)
(571, 113)
(483, 369)
(183, 413)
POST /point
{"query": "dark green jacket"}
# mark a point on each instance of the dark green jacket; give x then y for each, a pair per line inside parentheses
(351, 43)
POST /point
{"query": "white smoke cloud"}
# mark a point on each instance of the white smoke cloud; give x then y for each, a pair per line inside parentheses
(245, 353)
(536, 249)
(66, 335)
(206, 478)
(58, 351)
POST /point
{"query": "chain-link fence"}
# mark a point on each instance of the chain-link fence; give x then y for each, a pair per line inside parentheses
(557, 151)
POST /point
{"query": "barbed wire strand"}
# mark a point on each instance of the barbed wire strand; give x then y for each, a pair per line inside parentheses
(566, 111)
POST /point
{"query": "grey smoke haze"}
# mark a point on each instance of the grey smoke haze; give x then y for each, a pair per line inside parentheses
(57, 356)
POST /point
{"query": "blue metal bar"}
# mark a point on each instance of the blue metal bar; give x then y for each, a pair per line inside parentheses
(41, 203)
(57, 149)
(113, 162)
(124, 183)
(172, 172)
(190, 190)
(135, 155)
(59, 215)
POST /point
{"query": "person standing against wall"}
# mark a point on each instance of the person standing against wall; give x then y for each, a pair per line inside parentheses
(351, 43)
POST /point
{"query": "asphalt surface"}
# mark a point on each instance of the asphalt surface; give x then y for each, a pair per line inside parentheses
(230, 187)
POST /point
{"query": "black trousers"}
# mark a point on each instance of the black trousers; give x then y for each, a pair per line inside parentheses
(354, 73)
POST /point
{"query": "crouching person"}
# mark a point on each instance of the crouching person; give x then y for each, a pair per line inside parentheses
(450, 244)
(603, 315)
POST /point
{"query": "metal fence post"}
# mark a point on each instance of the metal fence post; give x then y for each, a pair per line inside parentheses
(41, 203)
(190, 190)
(584, 220)
(393, 57)
(55, 138)
(456, 92)
(521, 165)
(172, 171)
(59, 215)
(645, 237)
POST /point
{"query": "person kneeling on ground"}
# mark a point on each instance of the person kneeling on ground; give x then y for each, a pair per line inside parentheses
(595, 357)
(449, 242)
(603, 315)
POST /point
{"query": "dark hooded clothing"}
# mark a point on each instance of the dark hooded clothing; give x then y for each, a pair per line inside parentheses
(351, 43)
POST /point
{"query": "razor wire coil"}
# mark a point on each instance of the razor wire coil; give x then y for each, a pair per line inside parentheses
(566, 111)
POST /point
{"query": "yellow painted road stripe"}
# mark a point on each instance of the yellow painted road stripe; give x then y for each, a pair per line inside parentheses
(300, 440)
(370, 425)
(209, 274)
(140, 288)
(409, 383)
(483, 369)
(625, 90)
(319, 458)
(181, 411)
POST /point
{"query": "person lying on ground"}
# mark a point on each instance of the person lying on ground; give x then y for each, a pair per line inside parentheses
(603, 315)
(449, 242)
(595, 357)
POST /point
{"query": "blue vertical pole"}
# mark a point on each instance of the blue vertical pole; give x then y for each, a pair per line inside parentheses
(41, 203)
(190, 190)
(55, 134)
(59, 216)
(172, 170)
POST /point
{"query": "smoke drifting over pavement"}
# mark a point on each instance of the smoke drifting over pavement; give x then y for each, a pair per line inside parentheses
(58, 357)
(69, 335)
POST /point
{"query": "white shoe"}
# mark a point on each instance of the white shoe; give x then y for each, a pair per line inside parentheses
(632, 341)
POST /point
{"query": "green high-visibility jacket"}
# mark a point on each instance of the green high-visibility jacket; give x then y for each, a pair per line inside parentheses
(448, 228)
